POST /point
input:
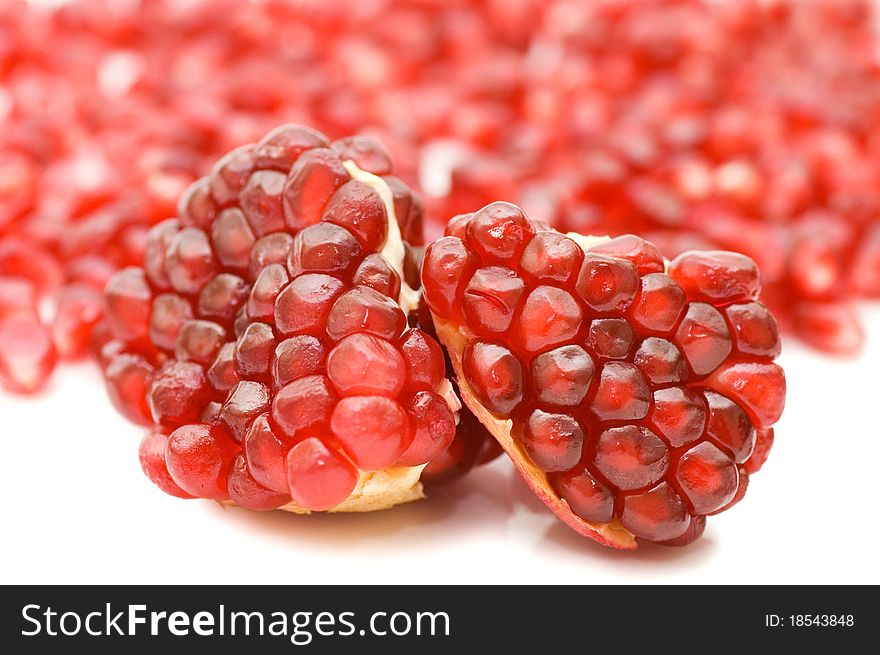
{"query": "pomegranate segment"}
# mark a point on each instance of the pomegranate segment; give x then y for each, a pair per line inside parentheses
(267, 335)
(630, 400)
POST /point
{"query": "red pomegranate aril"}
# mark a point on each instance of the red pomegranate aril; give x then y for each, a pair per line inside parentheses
(190, 264)
(359, 209)
(266, 454)
(167, 316)
(270, 249)
(367, 153)
(707, 478)
(297, 357)
(199, 341)
(253, 351)
(364, 365)
(658, 514)
(319, 478)
(611, 338)
(78, 311)
(178, 393)
(763, 444)
(303, 305)
(324, 248)
(197, 208)
(222, 374)
(232, 238)
(230, 174)
(260, 200)
(425, 368)
(374, 431)
(264, 293)
(152, 457)
(586, 496)
(158, 241)
(313, 180)
(490, 299)
(374, 272)
(281, 147)
(562, 376)
(759, 387)
(496, 376)
(499, 232)
(363, 309)
(553, 441)
(92, 271)
(678, 414)
(660, 304)
(551, 257)
(549, 317)
(703, 337)
(199, 458)
(754, 330)
(631, 457)
(127, 305)
(607, 284)
(303, 404)
(660, 361)
(246, 492)
(622, 393)
(221, 298)
(27, 354)
(446, 268)
(128, 377)
(830, 326)
(245, 402)
(433, 426)
(643, 254)
(729, 426)
(716, 276)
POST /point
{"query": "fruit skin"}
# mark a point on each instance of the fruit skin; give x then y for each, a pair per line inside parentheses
(648, 439)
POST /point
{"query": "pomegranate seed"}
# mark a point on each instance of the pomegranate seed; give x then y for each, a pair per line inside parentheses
(319, 478)
(678, 414)
(758, 386)
(660, 304)
(551, 257)
(199, 458)
(221, 298)
(716, 276)
(253, 351)
(433, 429)
(232, 238)
(587, 497)
(658, 514)
(324, 248)
(365, 152)
(729, 426)
(447, 267)
(270, 249)
(190, 262)
(707, 478)
(763, 444)
(152, 457)
(230, 174)
(491, 298)
(305, 403)
(496, 375)
(199, 341)
(266, 454)
(374, 272)
(269, 283)
(297, 357)
(549, 317)
(246, 492)
(245, 402)
(261, 202)
(606, 284)
(610, 337)
(363, 365)
(178, 394)
(499, 232)
(373, 430)
(553, 441)
(631, 457)
(562, 376)
(365, 310)
(703, 337)
(168, 314)
(313, 180)
(281, 147)
(304, 304)
(128, 377)
(222, 374)
(622, 393)
(158, 241)
(27, 354)
(196, 207)
(127, 305)
(643, 254)
(79, 310)
(423, 358)
(754, 330)
(358, 208)
(660, 361)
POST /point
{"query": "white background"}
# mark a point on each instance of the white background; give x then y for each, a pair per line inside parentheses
(76, 508)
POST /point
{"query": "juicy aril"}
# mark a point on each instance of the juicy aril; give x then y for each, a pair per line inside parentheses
(634, 396)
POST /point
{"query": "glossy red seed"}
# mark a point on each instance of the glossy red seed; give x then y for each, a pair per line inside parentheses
(607, 284)
(303, 305)
(199, 458)
(78, 311)
(167, 316)
(190, 263)
(490, 299)
(610, 337)
(263, 294)
(499, 232)
(716, 276)
(324, 248)
(313, 180)
(232, 238)
(433, 426)
(246, 492)
(678, 414)
(549, 317)
(245, 402)
(374, 431)
(266, 454)
(707, 478)
(297, 357)
(319, 478)
(643, 254)
(199, 341)
(271, 249)
(178, 393)
(197, 208)
(562, 376)
(222, 374)
(152, 458)
(660, 361)
(127, 305)
(374, 272)
(367, 153)
(660, 304)
(423, 358)
(830, 326)
(586, 496)
(281, 147)
(729, 426)
(622, 393)
(364, 365)
(253, 351)
(759, 387)
(359, 209)
(27, 354)
(305, 403)
(158, 240)
(551, 257)
(221, 298)
(552, 441)
(495, 375)
(230, 174)
(447, 267)
(703, 337)
(754, 330)
(658, 514)
(363, 309)
(128, 377)
(631, 457)
(763, 444)
(260, 199)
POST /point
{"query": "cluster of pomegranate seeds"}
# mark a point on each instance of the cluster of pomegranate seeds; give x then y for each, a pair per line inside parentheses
(640, 395)
(266, 337)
